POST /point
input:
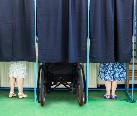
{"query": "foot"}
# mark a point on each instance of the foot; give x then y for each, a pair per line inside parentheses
(22, 95)
(11, 94)
(107, 96)
(113, 96)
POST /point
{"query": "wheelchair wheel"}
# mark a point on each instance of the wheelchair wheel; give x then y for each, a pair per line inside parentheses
(39, 84)
(43, 89)
(84, 82)
(80, 89)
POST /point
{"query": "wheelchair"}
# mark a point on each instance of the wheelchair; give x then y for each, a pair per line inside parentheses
(72, 76)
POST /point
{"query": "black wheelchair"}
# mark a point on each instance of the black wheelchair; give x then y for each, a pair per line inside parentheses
(72, 76)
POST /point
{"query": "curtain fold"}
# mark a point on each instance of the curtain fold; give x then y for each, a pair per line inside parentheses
(52, 38)
(102, 31)
(6, 30)
(123, 30)
(136, 29)
(62, 30)
(17, 30)
(111, 31)
(78, 25)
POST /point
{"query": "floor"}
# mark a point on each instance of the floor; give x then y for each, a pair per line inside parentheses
(63, 103)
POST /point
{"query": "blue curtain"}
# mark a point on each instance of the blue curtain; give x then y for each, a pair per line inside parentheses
(17, 30)
(123, 30)
(78, 25)
(111, 31)
(52, 38)
(136, 28)
(62, 30)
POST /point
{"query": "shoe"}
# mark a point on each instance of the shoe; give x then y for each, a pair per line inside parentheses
(11, 94)
(22, 95)
(113, 96)
(107, 96)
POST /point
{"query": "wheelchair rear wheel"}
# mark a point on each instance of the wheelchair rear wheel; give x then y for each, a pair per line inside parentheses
(84, 82)
(80, 88)
(43, 89)
(39, 84)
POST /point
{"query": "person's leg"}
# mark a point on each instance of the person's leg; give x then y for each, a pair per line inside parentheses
(20, 82)
(114, 86)
(108, 87)
(12, 84)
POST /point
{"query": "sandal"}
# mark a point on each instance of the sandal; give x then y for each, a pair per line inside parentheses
(113, 96)
(11, 94)
(22, 95)
(107, 96)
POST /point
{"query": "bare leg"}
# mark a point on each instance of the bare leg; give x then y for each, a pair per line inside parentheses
(12, 84)
(20, 88)
(20, 82)
(108, 87)
(114, 86)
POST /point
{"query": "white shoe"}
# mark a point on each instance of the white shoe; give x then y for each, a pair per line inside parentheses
(22, 95)
(11, 94)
